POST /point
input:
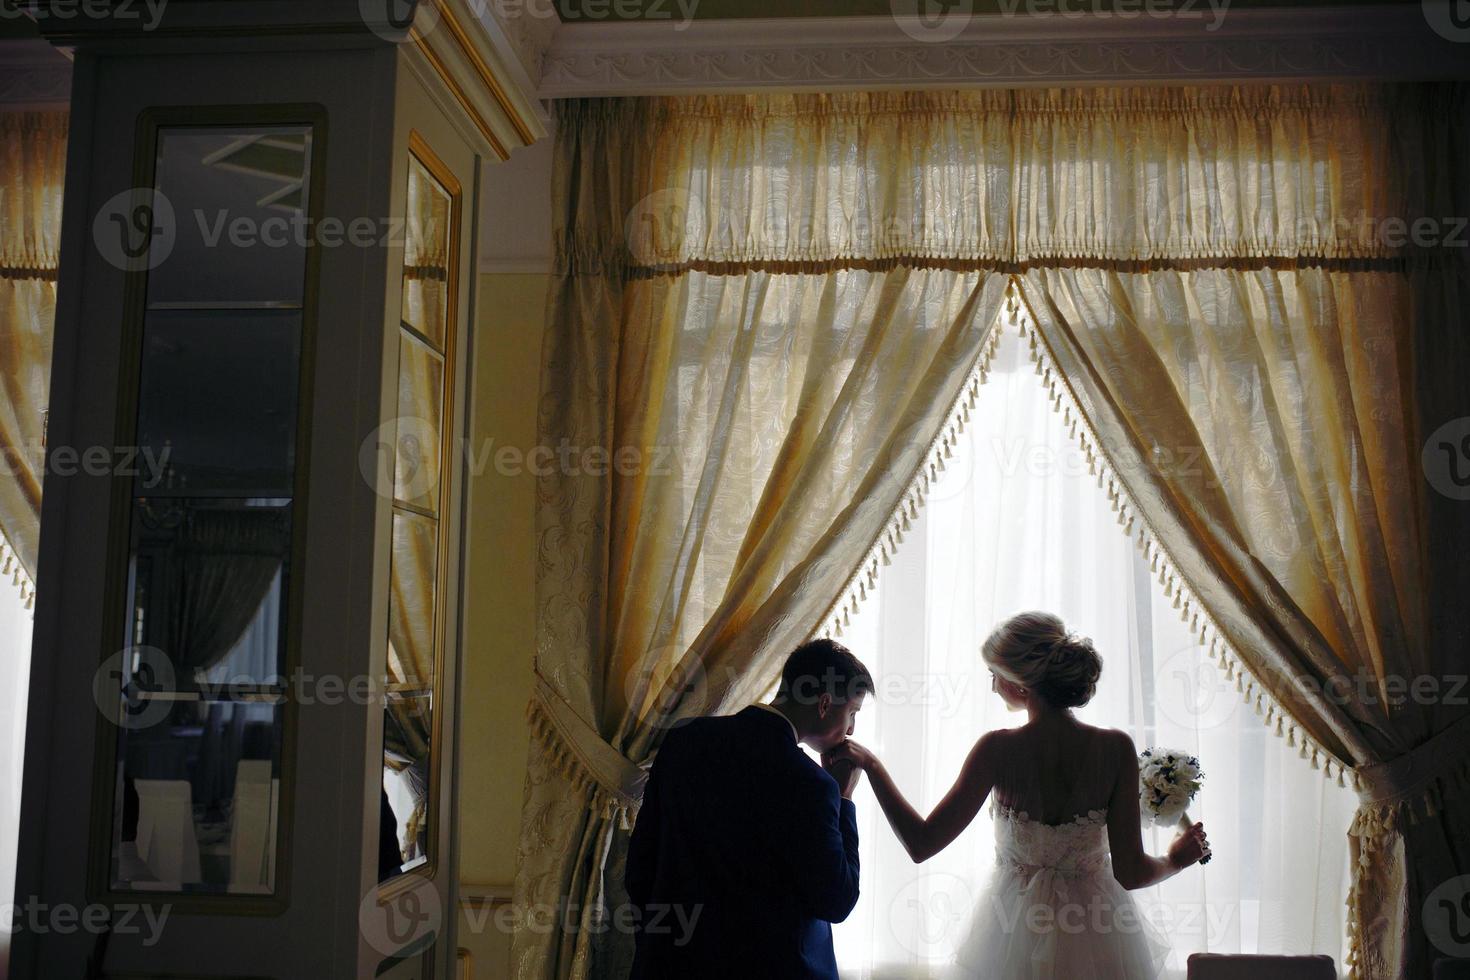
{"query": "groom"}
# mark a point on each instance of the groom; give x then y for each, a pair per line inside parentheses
(743, 835)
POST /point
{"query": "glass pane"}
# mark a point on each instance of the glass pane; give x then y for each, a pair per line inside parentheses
(217, 403)
(208, 588)
(199, 790)
(404, 810)
(236, 201)
(416, 464)
(411, 609)
(420, 460)
(197, 694)
(426, 255)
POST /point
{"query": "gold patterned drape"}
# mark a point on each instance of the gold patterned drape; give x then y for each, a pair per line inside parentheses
(32, 173)
(1234, 296)
(723, 451)
(1261, 356)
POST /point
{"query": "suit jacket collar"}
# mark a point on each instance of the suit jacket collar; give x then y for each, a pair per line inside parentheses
(767, 715)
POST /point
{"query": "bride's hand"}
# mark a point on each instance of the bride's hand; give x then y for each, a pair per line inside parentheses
(852, 752)
(1189, 847)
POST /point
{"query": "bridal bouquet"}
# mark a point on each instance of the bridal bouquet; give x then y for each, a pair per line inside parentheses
(1168, 780)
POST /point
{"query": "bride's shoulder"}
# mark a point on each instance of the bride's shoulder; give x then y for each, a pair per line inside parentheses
(1114, 741)
(991, 747)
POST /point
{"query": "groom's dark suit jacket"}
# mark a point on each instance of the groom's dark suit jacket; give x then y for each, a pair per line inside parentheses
(741, 828)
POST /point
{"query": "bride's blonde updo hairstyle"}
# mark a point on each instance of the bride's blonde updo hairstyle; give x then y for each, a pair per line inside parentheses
(1034, 650)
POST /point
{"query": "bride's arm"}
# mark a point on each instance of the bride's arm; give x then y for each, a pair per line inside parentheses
(1133, 867)
(924, 837)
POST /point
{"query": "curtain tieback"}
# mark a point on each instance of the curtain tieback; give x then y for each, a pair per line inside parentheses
(584, 756)
(1416, 772)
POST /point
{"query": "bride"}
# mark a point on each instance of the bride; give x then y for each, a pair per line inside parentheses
(1068, 840)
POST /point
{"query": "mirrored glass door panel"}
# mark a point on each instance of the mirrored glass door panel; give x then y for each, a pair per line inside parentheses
(198, 686)
(423, 438)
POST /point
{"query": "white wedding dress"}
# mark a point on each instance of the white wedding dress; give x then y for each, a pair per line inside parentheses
(1053, 908)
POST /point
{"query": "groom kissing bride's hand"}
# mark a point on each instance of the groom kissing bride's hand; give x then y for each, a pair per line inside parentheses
(745, 839)
(842, 765)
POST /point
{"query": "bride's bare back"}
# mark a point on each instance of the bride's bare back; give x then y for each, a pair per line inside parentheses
(1055, 770)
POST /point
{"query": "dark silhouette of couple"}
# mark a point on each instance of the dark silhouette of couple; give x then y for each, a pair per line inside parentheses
(743, 828)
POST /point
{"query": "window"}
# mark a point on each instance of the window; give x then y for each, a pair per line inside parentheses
(1015, 523)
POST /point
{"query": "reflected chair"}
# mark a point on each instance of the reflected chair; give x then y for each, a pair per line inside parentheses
(167, 843)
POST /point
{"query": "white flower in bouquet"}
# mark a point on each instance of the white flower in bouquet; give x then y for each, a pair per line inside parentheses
(1168, 781)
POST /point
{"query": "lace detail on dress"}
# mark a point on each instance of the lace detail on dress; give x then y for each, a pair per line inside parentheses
(1075, 848)
(1053, 910)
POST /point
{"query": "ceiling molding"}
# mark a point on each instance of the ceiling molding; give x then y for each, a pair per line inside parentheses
(505, 44)
(1391, 41)
(33, 76)
(452, 45)
(521, 29)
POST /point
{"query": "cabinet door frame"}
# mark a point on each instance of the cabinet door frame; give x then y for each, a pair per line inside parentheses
(151, 121)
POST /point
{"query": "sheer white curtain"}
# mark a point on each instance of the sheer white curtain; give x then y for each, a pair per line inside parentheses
(1017, 523)
(15, 677)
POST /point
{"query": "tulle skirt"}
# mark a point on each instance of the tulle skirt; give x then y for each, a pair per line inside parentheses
(1044, 923)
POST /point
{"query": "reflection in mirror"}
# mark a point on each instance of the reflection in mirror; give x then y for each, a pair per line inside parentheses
(426, 255)
(407, 728)
(411, 613)
(200, 694)
(420, 420)
(237, 201)
(198, 781)
(216, 410)
(408, 714)
(406, 811)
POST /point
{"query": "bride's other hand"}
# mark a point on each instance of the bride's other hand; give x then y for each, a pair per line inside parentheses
(1189, 847)
(851, 752)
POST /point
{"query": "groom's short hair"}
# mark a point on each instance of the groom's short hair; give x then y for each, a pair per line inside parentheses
(820, 667)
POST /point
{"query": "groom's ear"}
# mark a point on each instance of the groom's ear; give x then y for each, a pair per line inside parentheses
(824, 705)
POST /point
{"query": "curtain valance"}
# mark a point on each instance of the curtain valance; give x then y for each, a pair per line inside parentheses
(1239, 176)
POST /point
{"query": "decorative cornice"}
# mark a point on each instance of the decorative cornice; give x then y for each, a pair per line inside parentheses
(454, 47)
(1000, 50)
(523, 28)
(453, 84)
(493, 54)
(33, 75)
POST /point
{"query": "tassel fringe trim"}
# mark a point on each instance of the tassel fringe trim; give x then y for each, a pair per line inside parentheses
(12, 568)
(865, 579)
(1375, 827)
(605, 804)
(1192, 612)
(1063, 401)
